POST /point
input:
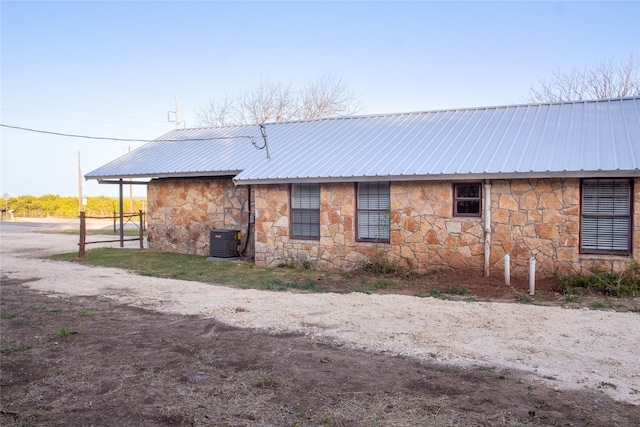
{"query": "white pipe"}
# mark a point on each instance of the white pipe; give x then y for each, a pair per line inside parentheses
(507, 270)
(532, 276)
(487, 228)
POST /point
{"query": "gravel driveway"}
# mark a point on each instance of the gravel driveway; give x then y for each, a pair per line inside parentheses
(567, 349)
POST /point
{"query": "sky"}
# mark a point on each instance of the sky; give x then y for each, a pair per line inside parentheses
(114, 69)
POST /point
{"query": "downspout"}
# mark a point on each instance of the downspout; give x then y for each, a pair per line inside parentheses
(487, 227)
(243, 252)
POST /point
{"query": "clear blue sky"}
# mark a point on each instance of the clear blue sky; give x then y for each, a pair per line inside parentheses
(114, 68)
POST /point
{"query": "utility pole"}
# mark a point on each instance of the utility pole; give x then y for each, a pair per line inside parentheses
(176, 119)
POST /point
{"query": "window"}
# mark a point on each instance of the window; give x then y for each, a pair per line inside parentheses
(605, 222)
(305, 211)
(373, 211)
(467, 199)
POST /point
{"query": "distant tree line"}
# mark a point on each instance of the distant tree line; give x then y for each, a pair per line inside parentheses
(51, 205)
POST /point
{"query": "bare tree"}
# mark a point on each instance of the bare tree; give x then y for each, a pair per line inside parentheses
(605, 79)
(217, 113)
(326, 96)
(270, 102)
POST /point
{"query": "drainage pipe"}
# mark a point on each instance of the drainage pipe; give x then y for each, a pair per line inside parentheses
(487, 227)
(532, 276)
(507, 270)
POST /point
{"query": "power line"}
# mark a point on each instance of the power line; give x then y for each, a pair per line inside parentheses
(251, 138)
(79, 109)
(76, 118)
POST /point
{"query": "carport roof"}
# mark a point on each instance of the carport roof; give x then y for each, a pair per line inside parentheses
(569, 139)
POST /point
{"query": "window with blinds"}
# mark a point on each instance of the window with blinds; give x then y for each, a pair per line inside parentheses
(605, 222)
(305, 211)
(373, 211)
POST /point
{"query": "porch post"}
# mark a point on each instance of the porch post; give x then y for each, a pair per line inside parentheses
(121, 215)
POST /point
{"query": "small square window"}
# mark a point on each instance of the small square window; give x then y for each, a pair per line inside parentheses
(467, 199)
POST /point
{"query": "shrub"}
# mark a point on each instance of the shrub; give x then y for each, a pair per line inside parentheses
(622, 284)
(381, 267)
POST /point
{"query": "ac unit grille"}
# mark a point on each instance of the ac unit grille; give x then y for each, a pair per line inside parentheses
(224, 243)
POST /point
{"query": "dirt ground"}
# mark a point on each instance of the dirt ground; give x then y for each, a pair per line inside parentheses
(86, 348)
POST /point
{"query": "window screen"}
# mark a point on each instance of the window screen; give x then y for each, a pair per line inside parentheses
(305, 211)
(467, 199)
(605, 224)
(373, 211)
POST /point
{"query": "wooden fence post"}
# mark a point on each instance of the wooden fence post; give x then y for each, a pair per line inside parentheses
(83, 235)
(141, 229)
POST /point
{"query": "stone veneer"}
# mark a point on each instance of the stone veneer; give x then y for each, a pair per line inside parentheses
(529, 218)
(182, 211)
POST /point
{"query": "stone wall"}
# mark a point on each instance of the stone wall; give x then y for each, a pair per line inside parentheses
(182, 211)
(536, 218)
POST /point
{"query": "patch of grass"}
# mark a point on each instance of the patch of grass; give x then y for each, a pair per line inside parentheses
(622, 284)
(196, 268)
(381, 284)
(7, 315)
(436, 293)
(457, 290)
(604, 384)
(89, 312)
(382, 267)
(522, 298)
(13, 349)
(63, 332)
(276, 284)
(571, 298)
(267, 382)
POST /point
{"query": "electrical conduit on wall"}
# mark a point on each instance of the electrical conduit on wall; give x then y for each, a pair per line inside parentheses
(487, 227)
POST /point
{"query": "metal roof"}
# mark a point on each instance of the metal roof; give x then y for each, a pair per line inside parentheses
(188, 152)
(570, 139)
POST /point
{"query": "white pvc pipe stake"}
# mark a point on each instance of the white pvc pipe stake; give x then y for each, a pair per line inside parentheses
(532, 276)
(507, 270)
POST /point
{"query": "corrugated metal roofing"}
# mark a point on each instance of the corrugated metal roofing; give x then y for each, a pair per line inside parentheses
(188, 152)
(581, 138)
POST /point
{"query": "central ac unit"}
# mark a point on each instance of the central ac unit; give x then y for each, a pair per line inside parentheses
(224, 243)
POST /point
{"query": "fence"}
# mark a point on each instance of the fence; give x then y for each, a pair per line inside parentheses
(127, 216)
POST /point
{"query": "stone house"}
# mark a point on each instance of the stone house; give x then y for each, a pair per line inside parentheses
(449, 189)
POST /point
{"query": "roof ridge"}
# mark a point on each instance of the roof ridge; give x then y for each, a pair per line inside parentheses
(412, 113)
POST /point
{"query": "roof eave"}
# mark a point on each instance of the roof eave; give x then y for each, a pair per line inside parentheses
(164, 175)
(449, 177)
